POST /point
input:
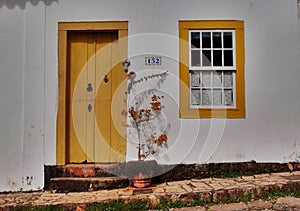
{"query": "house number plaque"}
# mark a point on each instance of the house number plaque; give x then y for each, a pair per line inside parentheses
(153, 60)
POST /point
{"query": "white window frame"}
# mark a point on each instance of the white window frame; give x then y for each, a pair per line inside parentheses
(212, 68)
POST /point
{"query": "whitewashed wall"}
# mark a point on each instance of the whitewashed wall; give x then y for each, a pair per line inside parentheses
(28, 80)
(21, 95)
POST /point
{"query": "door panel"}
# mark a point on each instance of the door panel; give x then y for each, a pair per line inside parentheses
(78, 56)
(91, 133)
(91, 81)
(103, 98)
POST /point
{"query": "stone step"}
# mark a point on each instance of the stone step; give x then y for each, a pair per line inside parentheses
(81, 170)
(89, 170)
(80, 184)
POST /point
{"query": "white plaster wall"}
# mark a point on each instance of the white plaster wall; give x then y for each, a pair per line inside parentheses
(28, 80)
(270, 130)
(22, 95)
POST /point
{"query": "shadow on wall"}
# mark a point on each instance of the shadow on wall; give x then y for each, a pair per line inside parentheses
(11, 4)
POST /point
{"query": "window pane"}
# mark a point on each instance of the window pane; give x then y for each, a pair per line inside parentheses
(195, 97)
(195, 80)
(228, 58)
(217, 97)
(228, 80)
(206, 97)
(206, 58)
(195, 57)
(217, 40)
(206, 79)
(228, 95)
(217, 58)
(206, 42)
(217, 79)
(195, 39)
(227, 39)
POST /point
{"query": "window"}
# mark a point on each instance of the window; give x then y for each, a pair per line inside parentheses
(212, 69)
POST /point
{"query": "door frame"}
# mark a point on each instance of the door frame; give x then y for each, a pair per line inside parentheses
(63, 29)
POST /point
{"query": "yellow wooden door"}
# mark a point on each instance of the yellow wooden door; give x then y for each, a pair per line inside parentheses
(94, 77)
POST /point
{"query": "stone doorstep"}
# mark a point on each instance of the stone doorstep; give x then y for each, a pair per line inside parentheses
(88, 170)
(78, 184)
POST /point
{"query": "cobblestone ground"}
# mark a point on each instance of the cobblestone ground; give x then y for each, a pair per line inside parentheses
(281, 204)
(209, 190)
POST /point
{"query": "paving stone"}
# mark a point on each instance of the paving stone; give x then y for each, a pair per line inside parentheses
(126, 192)
(259, 205)
(174, 189)
(289, 202)
(189, 209)
(178, 182)
(158, 190)
(216, 186)
(229, 207)
(187, 188)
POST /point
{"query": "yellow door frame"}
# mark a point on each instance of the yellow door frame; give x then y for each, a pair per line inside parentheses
(63, 28)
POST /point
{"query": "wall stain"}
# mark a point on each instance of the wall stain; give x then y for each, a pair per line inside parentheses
(251, 4)
(29, 180)
(11, 183)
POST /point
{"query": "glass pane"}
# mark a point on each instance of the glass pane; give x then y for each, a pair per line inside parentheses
(217, 58)
(217, 40)
(206, 58)
(195, 42)
(206, 79)
(195, 97)
(195, 79)
(206, 97)
(196, 58)
(217, 97)
(217, 79)
(227, 39)
(228, 80)
(206, 42)
(228, 95)
(228, 58)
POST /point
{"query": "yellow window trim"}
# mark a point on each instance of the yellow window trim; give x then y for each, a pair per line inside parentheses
(185, 110)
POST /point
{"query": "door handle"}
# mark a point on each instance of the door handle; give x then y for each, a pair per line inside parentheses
(105, 79)
(89, 87)
(90, 107)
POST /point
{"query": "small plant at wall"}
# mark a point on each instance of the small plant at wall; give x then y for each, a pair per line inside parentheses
(132, 75)
(149, 142)
(145, 116)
